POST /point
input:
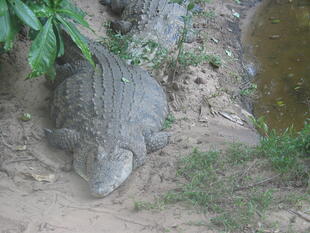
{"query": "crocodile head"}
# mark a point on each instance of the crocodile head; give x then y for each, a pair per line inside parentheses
(107, 171)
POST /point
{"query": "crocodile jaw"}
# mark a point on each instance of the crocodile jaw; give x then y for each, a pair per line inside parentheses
(108, 175)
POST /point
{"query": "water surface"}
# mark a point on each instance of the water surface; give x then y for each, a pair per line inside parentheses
(278, 42)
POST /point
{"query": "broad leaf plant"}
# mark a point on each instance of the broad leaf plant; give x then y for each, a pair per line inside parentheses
(46, 19)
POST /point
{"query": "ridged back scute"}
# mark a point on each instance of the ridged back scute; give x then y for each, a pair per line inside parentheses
(109, 103)
(142, 11)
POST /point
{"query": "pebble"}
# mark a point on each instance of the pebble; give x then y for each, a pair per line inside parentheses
(199, 81)
(175, 86)
(273, 37)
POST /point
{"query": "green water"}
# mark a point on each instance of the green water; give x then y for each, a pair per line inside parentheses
(278, 42)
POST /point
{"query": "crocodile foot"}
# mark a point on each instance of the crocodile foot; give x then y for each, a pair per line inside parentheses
(121, 26)
(157, 141)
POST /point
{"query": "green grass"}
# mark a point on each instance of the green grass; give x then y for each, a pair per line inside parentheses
(239, 153)
(294, 200)
(231, 184)
(136, 51)
(159, 204)
(197, 57)
(210, 14)
(249, 90)
(169, 121)
(141, 52)
(206, 186)
(287, 151)
(202, 185)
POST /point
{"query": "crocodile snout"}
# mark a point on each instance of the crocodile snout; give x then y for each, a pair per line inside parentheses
(101, 189)
(110, 172)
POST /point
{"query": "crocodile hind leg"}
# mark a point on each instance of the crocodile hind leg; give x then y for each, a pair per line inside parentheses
(156, 141)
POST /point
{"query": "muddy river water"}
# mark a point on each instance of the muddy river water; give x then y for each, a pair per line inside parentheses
(277, 42)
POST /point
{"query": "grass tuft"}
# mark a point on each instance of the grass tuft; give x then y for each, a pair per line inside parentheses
(144, 205)
(240, 185)
(169, 121)
(135, 51)
(287, 152)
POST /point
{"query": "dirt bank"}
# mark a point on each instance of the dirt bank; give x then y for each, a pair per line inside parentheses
(37, 194)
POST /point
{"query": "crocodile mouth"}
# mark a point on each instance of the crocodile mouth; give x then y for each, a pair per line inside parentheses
(100, 189)
(110, 174)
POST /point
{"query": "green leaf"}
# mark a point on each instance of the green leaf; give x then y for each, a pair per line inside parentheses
(77, 38)
(5, 25)
(9, 28)
(229, 53)
(25, 14)
(48, 2)
(42, 53)
(14, 29)
(51, 73)
(125, 80)
(73, 15)
(3, 7)
(41, 10)
(66, 4)
(275, 21)
(60, 42)
(176, 1)
(190, 6)
(236, 14)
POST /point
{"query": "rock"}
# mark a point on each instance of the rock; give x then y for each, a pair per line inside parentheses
(175, 86)
(199, 81)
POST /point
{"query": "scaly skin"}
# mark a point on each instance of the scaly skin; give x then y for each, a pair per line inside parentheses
(110, 117)
(117, 6)
(157, 20)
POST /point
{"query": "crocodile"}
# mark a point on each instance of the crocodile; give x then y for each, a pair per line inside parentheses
(110, 116)
(157, 20)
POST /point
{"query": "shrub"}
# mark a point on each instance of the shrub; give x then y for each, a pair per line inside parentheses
(46, 19)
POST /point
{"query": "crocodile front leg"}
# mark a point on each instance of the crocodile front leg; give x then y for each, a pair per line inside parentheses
(66, 70)
(121, 26)
(64, 138)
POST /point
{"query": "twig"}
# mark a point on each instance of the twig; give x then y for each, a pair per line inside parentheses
(246, 170)
(299, 214)
(180, 46)
(105, 211)
(6, 144)
(20, 160)
(256, 184)
(44, 162)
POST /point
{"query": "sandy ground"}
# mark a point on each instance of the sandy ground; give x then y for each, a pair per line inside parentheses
(38, 194)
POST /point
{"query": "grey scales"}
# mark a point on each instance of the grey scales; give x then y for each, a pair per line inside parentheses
(109, 116)
(159, 20)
